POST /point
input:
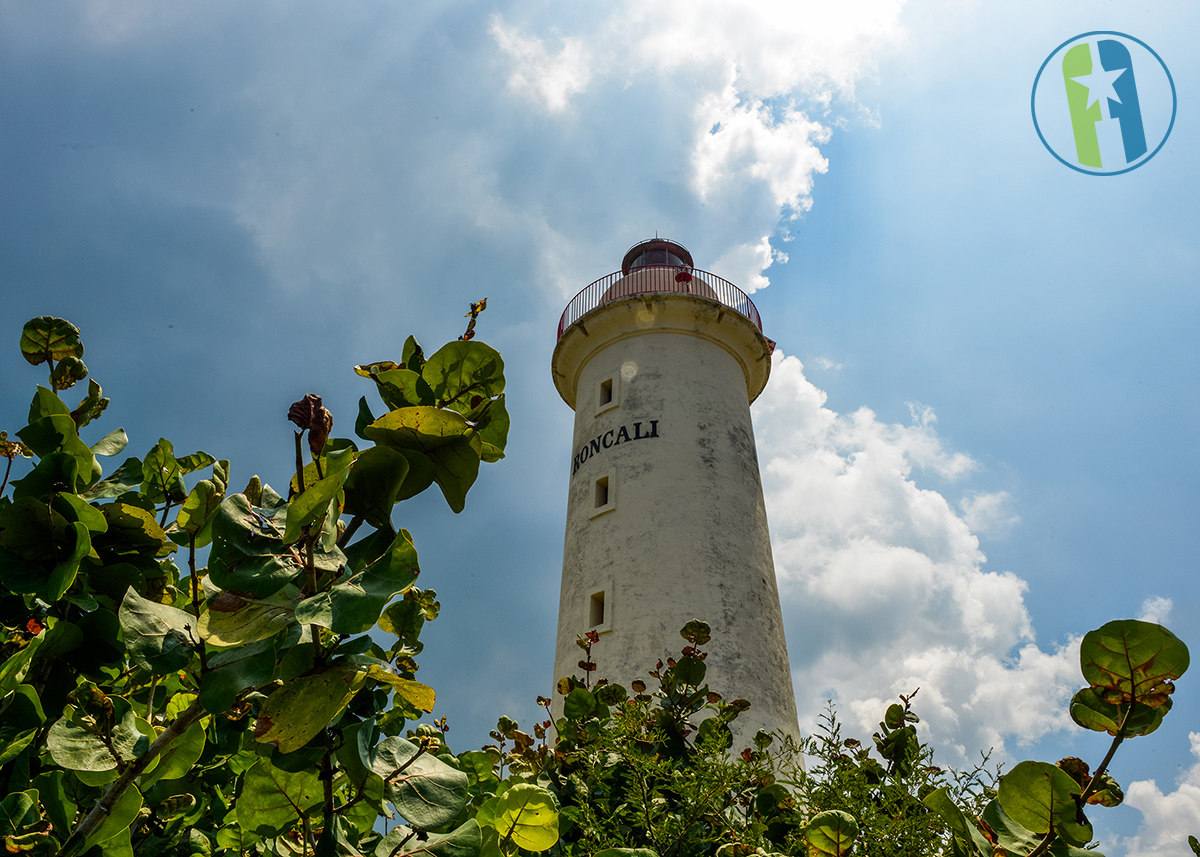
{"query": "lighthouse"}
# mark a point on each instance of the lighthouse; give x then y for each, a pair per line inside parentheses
(665, 516)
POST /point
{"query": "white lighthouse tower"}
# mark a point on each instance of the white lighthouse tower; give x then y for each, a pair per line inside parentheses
(665, 516)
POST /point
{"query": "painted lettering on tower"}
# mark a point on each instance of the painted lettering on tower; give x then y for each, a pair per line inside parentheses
(611, 438)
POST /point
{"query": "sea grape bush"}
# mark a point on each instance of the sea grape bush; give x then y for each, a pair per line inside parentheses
(151, 706)
(148, 706)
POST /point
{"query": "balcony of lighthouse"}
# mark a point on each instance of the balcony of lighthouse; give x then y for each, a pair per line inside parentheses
(658, 267)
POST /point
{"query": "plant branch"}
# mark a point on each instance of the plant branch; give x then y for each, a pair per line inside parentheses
(355, 523)
(299, 465)
(7, 470)
(114, 792)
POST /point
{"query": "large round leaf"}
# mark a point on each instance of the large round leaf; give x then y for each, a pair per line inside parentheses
(527, 816)
(423, 788)
(273, 800)
(1131, 660)
(294, 714)
(1039, 796)
(831, 833)
(1091, 711)
(464, 841)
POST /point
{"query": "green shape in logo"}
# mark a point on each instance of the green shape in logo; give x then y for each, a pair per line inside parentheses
(1077, 62)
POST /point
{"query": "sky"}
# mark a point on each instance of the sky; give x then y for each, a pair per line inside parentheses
(978, 441)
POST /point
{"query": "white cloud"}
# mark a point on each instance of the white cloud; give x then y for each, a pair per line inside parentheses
(745, 263)
(763, 78)
(1168, 818)
(989, 514)
(825, 364)
(883, 583)
(1156, 609)
(740, 140)
(549, 78)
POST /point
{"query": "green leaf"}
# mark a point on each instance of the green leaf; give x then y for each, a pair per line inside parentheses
(272, 801)
(1090, 710)
(961, 828)
(197, 460)
(16, 667)
(374, 484)
(293, 715)
(492, 422)
(127, 477)
(413, 692)
(194, 521)
(1130, 660)
(402, 388)
(60, 809)
(158, 637)
(162, 477)
(243, 667)
(626, 852)
(132, 528)
(68, 373)
(423, 788)
(248, 553)
(580, 703)
(21, 717)
(831, 832)
(401, 841)
(444, 437)
(1038, 796)
(47, 338)
(63, 574)
(306, 508)
(18, 811)
(73, 747)
(58, 433)
(689, 671)
(92, 406)
(179, 756)
(232, 619)
(46, 403)
(364, 418)
(527, 815)
(74, 508)
(355, 606)
(463, 370)
(123, 812)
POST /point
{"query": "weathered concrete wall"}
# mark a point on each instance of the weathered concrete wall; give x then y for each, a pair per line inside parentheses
(679, 530)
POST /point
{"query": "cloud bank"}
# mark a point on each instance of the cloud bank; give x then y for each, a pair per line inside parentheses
(884, 584)
(761, 80)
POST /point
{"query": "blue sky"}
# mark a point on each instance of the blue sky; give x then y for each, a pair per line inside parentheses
(979, 437)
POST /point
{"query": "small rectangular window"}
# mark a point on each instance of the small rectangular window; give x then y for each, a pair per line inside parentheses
(604, 495)
(608, 394)
(602, 492)
(596, 609)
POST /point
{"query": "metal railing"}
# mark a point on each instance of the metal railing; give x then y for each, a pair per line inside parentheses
(656, 279)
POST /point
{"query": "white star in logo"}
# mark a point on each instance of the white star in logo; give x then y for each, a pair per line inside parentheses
(1100, 83)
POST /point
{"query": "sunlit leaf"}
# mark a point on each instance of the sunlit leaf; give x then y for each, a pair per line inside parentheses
(47, 338)
(423, 788)
(527, 815)
(273, 800)
(831, 833)
(1038, 796)
(1133, 660)
(460, 370)
(295, 713)
(402, 841)
(159, 637)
